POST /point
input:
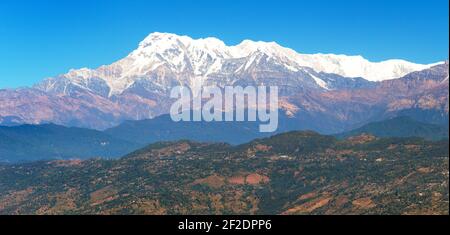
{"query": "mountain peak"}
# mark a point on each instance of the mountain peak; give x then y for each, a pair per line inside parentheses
(189, 61)
(206, 55)
(157, 37)
(247, 47)
(186, 41)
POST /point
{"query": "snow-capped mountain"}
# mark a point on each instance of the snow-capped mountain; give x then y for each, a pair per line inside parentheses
(326, 92)
(163, 60)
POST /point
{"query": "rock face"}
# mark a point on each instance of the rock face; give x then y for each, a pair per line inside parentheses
(336, 90)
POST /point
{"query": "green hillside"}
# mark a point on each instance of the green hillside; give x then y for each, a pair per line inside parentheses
(292, 173)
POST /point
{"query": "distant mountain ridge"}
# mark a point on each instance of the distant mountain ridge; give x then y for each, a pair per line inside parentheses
(401, 127)
(44, 142)
(162, 128)
(49, 141)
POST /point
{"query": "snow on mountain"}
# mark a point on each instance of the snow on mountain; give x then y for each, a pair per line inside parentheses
(165, 59)
(357, 66)
(333, 92)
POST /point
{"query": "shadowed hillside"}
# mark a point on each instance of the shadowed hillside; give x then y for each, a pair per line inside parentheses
(401, 127)
(37, 142)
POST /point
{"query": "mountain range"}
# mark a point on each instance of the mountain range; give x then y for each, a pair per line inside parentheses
(27, 143)
(327, 93)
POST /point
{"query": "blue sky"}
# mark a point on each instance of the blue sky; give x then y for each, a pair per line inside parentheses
(44, 38)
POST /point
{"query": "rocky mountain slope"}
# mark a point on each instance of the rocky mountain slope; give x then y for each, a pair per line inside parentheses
(292, 173)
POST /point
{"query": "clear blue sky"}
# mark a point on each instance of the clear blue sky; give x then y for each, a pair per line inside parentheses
(44, 38)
